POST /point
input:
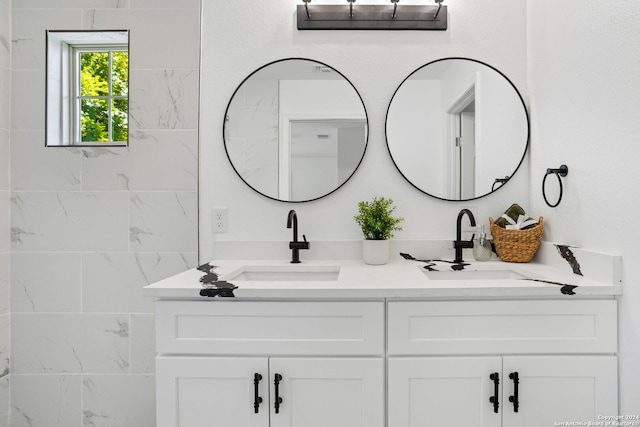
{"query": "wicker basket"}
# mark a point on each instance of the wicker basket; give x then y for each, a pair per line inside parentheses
(516, 245)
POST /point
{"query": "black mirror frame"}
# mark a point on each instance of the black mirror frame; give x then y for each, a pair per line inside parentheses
(226, 112)
(524, 107)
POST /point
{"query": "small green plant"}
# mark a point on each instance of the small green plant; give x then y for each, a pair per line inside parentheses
(376, 219)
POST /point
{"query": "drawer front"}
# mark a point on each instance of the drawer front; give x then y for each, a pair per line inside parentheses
(502, 327)
(270, 328)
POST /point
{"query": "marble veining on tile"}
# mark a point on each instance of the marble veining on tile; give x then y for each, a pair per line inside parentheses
(135, 233)
(89, 16)
(89, 19)
(174, 88)
(5, 43)
(5, 293)
(172, 166)
(122, 331)
(112, 282)
(93, 152)
(45, 282)
(17, 233)
(17, 41)
(143, 343)
(89, 418)
(159, 100)
(163, 221)
(69, 221)
(59, 168)
(45, 400)
(70, 343)
(104, 404)
(20, 415)
(25, 290)
(5, 397)
(27, 90)
(5, 345)
(124, 179)
(5, 152)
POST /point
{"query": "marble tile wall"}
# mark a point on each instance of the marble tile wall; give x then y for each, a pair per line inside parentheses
(5, 193)
(91, 226)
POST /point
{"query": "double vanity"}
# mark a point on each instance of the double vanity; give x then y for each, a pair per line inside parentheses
(410, 343)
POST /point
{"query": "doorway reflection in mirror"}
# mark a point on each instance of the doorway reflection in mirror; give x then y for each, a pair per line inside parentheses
(454, 125)
(295, 130)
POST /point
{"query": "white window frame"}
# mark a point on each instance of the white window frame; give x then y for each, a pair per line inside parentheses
(62, 119)
(76, 99)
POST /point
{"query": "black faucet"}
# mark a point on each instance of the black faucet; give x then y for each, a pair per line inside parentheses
(295, 245)
(459, 244)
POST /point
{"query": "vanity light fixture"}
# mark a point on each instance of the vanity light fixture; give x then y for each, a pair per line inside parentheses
(395, 8)
(372, 17)
(306, 8)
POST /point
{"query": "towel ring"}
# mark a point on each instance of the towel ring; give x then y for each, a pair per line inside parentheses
(560, 172)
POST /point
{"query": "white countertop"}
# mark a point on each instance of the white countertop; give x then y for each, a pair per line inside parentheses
(397, 279)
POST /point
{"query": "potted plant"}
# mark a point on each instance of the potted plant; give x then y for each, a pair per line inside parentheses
(377, 222)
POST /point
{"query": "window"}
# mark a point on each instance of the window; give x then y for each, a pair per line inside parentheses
(100, 102)
(87, 88)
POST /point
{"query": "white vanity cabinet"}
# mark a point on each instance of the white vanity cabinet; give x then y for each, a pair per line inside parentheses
(241, 392)
(266, 363)
(235, 362)
(501, 363)
(210, 391)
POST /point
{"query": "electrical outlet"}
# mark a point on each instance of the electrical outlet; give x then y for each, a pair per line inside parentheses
(219, 220)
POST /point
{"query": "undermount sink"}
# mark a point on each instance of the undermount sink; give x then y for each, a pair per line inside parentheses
(293, 273)
(489, 274)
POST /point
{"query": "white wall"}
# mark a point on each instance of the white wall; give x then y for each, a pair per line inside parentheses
(92, 226)
(242, 35)
(5, 192)
(584, 58)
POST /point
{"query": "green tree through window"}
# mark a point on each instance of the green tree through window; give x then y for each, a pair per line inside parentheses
(103, 106)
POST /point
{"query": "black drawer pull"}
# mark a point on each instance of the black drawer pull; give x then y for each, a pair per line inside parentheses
(278, 400)
(257, 400)
(495, 377)
(514, 399)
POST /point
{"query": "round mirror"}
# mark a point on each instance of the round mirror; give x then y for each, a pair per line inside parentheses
(457, 129)
(295, 130)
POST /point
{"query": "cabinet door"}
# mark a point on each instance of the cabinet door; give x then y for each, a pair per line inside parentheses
(328, 392)
(559, 389)
(199, 392)
(443, 391)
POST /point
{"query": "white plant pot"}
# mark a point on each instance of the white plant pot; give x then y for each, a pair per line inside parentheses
(375, 252)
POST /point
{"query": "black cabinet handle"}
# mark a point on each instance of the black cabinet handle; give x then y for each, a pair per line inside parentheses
(257, 400)
(278, 400)
(514, 399)
(495, 377)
